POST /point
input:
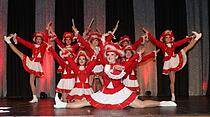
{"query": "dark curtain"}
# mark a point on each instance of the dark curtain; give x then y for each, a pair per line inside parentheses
(170, 14)
(120, 10)
(208, 90)
(65, 10)
(21, 20)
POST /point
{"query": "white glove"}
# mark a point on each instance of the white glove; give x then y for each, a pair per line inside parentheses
(7, 39)
(14, 38)
(197, 35)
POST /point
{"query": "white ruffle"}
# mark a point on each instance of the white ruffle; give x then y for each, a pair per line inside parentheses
(81, 91)
(67, 84)
(98, 68)
(35, 66)
(130, 83)
(115, 98)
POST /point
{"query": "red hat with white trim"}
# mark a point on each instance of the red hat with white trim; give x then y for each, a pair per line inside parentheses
(67, 34)
(129, 47)
(125, 38)
(81, 53)
(94, 35)
(38, 34)
(114, 48)
(167, 33)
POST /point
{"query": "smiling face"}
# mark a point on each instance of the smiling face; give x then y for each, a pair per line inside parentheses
(68, 40)
(39, 40)
(111, 57)
(95, 42)
(128, 54)
(167, 39)
(82, 60)
(125, 43)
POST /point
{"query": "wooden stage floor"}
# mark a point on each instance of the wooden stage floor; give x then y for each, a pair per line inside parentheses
(186, 106)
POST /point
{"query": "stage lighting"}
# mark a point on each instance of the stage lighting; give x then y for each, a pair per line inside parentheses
(43, 95)
(148, 93)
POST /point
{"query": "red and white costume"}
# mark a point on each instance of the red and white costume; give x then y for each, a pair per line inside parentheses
(172, 61)
(130, 80)
(67, 81)
(98, 69)
(66, 50)
(33, 64)
(113, 93)
(82, 87)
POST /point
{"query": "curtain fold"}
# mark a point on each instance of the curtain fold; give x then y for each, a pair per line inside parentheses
(45, 12)
(198, 20)
(21, 20)
(144, 16)
(3, 31)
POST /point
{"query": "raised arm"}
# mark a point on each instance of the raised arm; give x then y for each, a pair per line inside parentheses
(91, 65)
(57, 57)
(72, 65)
(137, 43)
(85, 44)
(25, 43)
(154, 40)
(183, 41)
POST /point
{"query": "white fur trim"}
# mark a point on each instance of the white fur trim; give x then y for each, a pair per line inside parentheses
(114, 49)
(109, 71)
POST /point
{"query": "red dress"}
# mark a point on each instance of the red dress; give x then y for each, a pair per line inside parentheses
(113, 93)
(67, 81)
(33, 64)
(172, 61)
(82, 87)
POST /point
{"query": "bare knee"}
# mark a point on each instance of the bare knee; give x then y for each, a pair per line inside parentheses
(137, 104)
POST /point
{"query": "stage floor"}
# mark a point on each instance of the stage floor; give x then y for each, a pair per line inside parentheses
(186, 106)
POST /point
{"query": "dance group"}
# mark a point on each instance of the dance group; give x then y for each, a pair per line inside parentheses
(83, 59)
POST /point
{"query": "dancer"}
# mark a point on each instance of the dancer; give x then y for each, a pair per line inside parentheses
(82, 66)
(67, 80)
(113, 94)
(173, 62)
(130, 80)
(31, 64)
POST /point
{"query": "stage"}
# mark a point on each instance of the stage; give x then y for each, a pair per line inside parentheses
(186, 106)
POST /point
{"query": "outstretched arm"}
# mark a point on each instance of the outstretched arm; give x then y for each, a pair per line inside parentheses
(154, 40)
(138, 42)
(57, 58)
(183, 41)
(24, 42)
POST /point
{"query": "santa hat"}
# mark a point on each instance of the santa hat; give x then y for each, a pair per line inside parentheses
(114, 48)
(67, 34)
(81, 53)
(125, 38)
(129, 47)
(38, 34)
(94, 35)
(167, 33)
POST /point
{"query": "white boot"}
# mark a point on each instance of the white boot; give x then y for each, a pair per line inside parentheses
(173, 97)
(197, 35)
(59, 103)
(167, 103)
(7, 39)
(34, 100)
